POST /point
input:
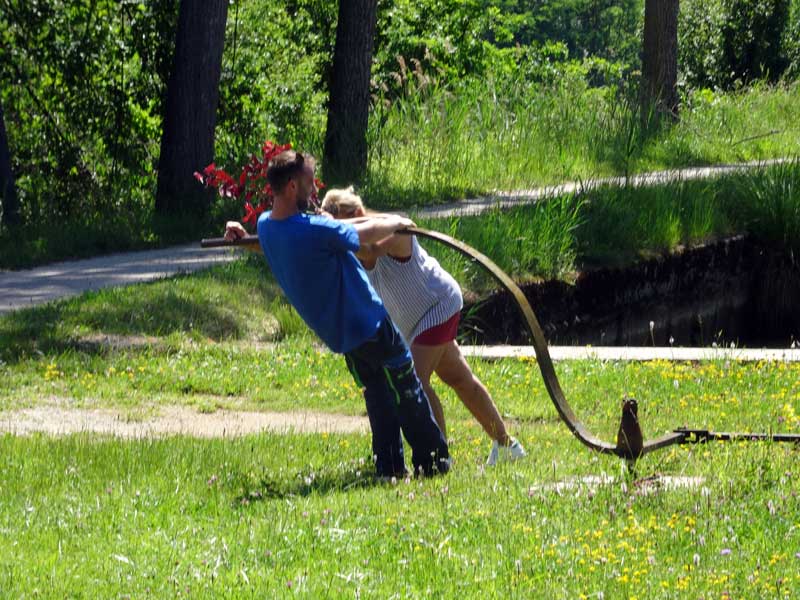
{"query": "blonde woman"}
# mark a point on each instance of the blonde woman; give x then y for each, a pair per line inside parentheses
(425, 302)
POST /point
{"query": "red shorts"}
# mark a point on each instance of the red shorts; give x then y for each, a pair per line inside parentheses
(439, 334)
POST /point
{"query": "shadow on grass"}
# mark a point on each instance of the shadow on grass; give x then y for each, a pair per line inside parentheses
(47, 329)
(220, 303)
(161, 314)
(277, 486)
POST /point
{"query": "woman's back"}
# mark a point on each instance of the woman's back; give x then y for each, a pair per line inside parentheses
(417, 292)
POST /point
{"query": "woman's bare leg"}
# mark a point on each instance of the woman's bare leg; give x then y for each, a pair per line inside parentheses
(426, 359)
(453, 370)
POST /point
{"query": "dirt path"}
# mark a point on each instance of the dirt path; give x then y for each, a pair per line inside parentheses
(173, 420)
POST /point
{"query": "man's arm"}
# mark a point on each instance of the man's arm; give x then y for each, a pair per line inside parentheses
(375, 230)
(398, 246)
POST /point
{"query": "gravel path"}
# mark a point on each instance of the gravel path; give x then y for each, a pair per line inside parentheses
(173, 420)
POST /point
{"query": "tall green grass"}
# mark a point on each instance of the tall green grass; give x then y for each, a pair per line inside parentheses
(438, 144)
(768, 203)
(616, 225)
(622, 223)
(538, 239)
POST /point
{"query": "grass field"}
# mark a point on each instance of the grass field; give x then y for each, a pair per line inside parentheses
(300, 515)
(276, 515)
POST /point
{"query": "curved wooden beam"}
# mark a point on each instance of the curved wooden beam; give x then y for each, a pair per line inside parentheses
(543, 359)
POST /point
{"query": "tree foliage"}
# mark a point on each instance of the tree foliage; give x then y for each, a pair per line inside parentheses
(274, 75)
(731, 43)
(496, 37)
(82, 82)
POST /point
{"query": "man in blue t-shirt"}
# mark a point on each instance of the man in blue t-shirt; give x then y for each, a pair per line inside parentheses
(313, 260)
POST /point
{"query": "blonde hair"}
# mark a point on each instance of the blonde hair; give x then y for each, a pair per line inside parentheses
(342, 203)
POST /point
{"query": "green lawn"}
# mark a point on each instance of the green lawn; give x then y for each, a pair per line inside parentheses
(274, 516)
(282, 515)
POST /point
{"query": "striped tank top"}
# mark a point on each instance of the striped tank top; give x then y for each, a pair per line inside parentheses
(418, 294)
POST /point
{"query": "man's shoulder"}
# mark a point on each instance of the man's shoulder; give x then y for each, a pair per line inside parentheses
(294, 222)
(321, 221)
(328, 224)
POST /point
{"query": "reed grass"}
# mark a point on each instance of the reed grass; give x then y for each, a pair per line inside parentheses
(617, 225)
(436, 144)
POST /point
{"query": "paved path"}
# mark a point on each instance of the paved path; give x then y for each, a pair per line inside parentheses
(632, 353)
(19, 289)
(519, 197)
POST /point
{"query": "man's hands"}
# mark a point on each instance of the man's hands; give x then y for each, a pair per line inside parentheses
(377, 229)
(234, 231)
(402, 222)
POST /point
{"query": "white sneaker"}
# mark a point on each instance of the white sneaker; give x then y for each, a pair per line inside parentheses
(514, 451)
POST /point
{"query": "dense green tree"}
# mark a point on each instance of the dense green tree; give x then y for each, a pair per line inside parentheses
(752, 38)
(83, 82)
(486, 37)
(81, 85)
(274, 82)
(730, 43)
(660, 60)
(8, 190)
(791, 41)
(190, 117)
(348, 104)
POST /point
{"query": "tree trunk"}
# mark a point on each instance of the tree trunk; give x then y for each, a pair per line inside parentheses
(660, 60)
(187, 144)
(8, 190)
(348, 107)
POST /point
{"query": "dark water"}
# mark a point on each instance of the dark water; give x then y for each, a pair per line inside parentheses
(730, 291)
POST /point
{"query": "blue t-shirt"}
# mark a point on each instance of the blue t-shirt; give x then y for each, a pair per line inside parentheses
(312, 259)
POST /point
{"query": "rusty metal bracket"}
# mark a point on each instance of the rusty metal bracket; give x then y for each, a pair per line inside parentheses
(579, 430)
(701, 436)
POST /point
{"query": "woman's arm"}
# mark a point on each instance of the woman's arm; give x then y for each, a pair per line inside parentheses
(369, 254)
(398, 245)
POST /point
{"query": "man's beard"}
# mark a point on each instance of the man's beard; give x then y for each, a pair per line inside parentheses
(302, 202)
